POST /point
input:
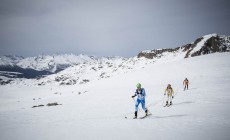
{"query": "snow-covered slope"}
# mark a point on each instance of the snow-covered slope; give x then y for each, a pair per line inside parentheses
(72, 69)
(96, 70)
(97, 110)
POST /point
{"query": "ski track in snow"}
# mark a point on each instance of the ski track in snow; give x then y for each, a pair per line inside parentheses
(202, 112)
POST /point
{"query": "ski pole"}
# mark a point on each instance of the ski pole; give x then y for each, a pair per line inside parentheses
(177, 91)
(135, 102)
(163, 100)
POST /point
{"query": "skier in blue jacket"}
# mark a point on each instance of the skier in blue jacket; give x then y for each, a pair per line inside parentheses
(140, 93)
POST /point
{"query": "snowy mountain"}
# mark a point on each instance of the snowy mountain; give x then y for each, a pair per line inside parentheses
(204, 45)
(88, 98)
(54, 63)
(79, 69)
(51, 63)
(104, 109)
(10, 60)
(37, 67)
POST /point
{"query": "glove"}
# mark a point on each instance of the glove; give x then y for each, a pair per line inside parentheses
(164, 93)
(133, 96)
(172, 96)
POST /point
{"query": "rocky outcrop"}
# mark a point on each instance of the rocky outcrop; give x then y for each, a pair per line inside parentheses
(212, 45)
(156, 53)
(204, 45)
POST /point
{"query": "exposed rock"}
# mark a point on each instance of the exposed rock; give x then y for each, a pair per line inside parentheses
(53, 104)
(212, 45)
(84, 81)
(60, 78)
(69, 82)
(58, 93)
(41, 84)
(155, 53)
(38, 106)
(93, 68)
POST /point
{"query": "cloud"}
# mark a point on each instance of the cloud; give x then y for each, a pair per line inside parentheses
(122, 27)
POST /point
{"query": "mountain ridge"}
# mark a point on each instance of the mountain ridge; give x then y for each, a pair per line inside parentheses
(69, 69)
(210, 43)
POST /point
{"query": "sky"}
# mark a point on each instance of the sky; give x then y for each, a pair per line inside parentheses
(106, 27)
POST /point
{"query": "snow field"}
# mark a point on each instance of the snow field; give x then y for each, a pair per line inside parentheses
(202, 112)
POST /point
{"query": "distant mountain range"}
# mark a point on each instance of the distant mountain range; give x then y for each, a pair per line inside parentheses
(69, 69)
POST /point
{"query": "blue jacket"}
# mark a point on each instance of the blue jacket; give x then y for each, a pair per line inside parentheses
(140, 94)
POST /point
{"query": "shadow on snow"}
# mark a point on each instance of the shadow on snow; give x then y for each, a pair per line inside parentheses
(170, 116)
(182, 103)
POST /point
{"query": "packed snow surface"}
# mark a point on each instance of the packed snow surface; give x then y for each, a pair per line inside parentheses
(97, 110)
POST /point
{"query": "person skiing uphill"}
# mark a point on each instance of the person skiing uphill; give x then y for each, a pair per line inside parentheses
(185, 83)
(140, 93)
(170, 94)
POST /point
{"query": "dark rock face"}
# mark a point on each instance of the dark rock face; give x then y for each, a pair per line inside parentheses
(190, 47)
(156, 53)
(213, 44)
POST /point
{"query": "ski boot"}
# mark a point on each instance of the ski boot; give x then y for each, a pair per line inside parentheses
(166, 104)
(146, 112)
(135, 117)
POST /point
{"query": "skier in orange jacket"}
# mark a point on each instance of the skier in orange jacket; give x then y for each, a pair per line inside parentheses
(185, 83)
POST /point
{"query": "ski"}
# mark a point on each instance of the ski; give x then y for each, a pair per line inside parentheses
(167, 105)
(145, 116)
(138, 117)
